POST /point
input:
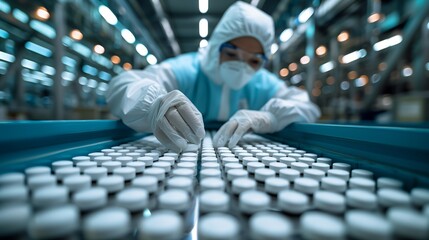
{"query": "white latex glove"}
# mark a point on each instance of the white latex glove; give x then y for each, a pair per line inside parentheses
(174, 120)
(242, 122)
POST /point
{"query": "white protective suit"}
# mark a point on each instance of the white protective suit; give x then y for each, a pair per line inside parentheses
(144, 98)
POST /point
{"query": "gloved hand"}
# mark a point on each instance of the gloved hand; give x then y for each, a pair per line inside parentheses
(174, 120)
(242, 122)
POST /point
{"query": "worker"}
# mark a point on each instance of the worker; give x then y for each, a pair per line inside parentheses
(225, 81)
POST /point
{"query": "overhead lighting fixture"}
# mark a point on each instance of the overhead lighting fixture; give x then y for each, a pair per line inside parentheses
(326, 67)
(345, 85)
(43, 28)
(305, 15)
(151, 59)
(7, 57)
(204, 43)
(81, 49)
(92, 83)
(20, 15)
(68, 76)
(128, 36)
(115, 59)
(76, 35)
(286, 35)
(4, 7)
(343, 36)
(407, 71)
(89, 70)
(48, 70)
(389, 42)
(4, 34)
(108, 15)
(321, 50)
(99, 49)
(36, 48)
(353, 56)
(204, 27)
(375, 17)
(203, 6)
(104, 76)
(284, 72)
(141, 49)
(352, 75)
(304, 60)
(293, 67)
(361, 81)
(296, 79)
(42, 13)
(274, 48)
(127, 66)
(29, 64)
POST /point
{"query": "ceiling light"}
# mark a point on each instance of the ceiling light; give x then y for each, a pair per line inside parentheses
(389, 42)
(375, 17)
(304, 60)
(43, 28)
(203, 43)
(407, 71)
(274, 48)
(127, 66)
(204, 27)
(345, 85)
(108, 15)
(293, 67)
(151, 59)
(42, 13)
(29, 64)
(353, 56)
(343, 36)
(286, 35)
(326, 67)
(7, 57)
(20, 15)
(141, 49)
(98, 49)
(203, 5)
(284, 72)
(38, 49)
(115, 59)
(305, 15)
(352, 75)
(321, 50)
(128, 36)
(76, 35)
(48, 70)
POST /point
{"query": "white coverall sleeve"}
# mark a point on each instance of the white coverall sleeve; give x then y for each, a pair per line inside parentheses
(289, 105)
(131, 94)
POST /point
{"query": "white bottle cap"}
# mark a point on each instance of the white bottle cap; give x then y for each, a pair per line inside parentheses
(50, 196)
(174, 199)
(310, 155)
(111, 165)
(85, 165)
(39, 170)
(420, 196)
(77, 183)
(263, 173)
(268, 160)
(133, 155)
(253, 201)
(184, 172)
(214, 201)
(182, 183)
(14, 178)
(362, 173)
(279, 155)
(149, 183)
(13, 194)
(66, 172)
(276, 166)
(218, 226)
(172, 154)
(164, 165)
(240, 185)
(361, 199)
(133, 199)
(189, 154)
(208, 159)
(247, 160)
(315, 174)
(167, 159)
(128, 173)
(102, 159)
(61, 164)
(112, 183)
(162, 224)
(339, 173)
(320, 166)
(342, 166)
(55, 222)
(289, 174)
(114, 155)
(408, 223)
(385, 182)
(124, 160)
(90, 199)
(332, 227)
(80, 159)
(138, 166)
(243, 155)
(299, 151)
(155, 156)
(210, 172)
(252, 166)
(287, 160)
(230, 166)
(292, 201)
(362, 183)
(210, 165)
(334, 184)
(329, 201)
(236, 173)
(270, 225)
(108, 223)
(294, 155)
(14, 219)
(93, 155)
(39, 181)
(306, 160)
(229, 160)
(107, 151)
(96, 173)
(324, 160)
(212, 184)
(306, 185)
(389, 197)
(299, 166)
(364, 225)
(193, 166)
(147, 160)
(274, 185)
(159, 173)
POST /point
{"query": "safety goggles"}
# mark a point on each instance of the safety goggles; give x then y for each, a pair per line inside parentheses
(230, 52)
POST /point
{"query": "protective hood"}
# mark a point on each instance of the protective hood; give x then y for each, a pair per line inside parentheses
(240, 19)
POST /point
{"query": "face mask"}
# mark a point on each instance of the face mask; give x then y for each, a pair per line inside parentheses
(236, 74)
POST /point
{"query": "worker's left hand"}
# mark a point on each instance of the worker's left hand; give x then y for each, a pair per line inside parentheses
(242, 122)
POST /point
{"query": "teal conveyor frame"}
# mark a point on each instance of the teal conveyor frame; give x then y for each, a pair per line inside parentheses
(391, 151)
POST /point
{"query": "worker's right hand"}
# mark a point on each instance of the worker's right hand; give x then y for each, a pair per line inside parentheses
(175, 121)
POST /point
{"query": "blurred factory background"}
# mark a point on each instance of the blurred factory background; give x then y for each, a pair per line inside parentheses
(360, 60)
